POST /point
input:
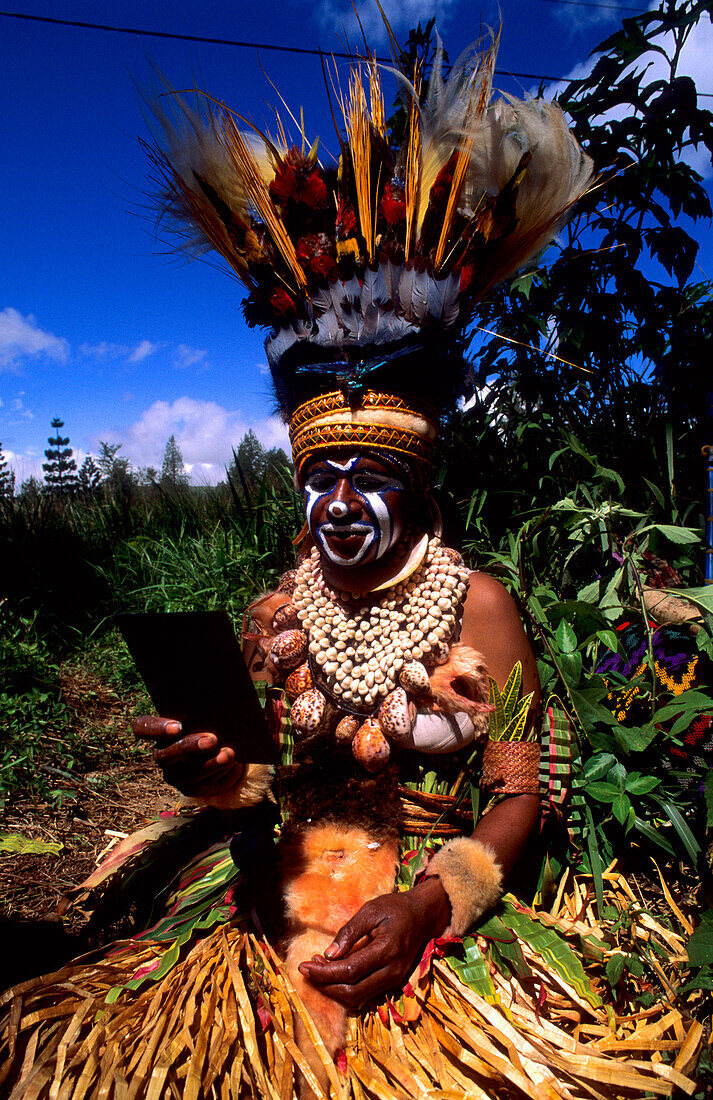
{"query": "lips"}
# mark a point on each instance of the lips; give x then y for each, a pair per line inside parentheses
(346, 541)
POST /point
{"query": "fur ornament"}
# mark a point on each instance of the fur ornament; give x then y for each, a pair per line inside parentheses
(328, 871)
(461, 686)
(471, 877)
(252, 787)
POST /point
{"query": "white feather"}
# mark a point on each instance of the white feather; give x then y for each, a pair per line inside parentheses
(419, 295)
(406, 291)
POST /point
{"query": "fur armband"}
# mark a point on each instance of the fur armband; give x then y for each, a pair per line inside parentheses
(252, 787)
(470, 876)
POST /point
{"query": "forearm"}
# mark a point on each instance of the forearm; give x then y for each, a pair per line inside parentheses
(507, 828)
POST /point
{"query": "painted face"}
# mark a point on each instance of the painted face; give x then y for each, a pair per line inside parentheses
(354, 508)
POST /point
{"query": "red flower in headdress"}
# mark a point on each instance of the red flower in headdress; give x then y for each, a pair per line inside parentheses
(282, 305)
(315, 251)
(300, 180)
(393, 205)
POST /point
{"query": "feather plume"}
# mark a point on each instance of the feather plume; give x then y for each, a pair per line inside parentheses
(406, 290)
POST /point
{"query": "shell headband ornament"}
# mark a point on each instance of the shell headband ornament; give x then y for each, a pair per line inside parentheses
(361, 267)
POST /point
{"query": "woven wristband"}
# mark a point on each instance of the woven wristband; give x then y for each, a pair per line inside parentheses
(511, 767)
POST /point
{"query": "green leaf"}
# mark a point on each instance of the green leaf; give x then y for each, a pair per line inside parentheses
(620, 808)
(700, 945)
(686, 836)
(473, 971)
(708, 794)
(616, 965)
(641, 784)
(594, 857)
(511, 691)
(22, 845)
(602, 792)
(653, 835)
(682, 536)
(598, 765)
(551, 947)
(634, 738)
(566, 638)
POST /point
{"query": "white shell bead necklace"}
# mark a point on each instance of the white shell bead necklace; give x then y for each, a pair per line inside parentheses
(357, 650)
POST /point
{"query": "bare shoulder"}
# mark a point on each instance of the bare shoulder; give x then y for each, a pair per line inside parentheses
(492, 625)
(487, 598)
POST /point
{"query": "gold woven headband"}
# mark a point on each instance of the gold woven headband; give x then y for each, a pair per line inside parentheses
(382, 421)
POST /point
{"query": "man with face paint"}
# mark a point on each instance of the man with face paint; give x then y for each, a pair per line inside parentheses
(370, 519)
(355, 509)
(380, 641)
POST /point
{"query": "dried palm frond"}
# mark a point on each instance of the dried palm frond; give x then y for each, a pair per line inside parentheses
(222, 1021)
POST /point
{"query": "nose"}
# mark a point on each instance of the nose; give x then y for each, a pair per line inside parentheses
(337, 509)
(342, 503)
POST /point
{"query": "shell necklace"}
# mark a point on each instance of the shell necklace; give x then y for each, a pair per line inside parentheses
(352, 659)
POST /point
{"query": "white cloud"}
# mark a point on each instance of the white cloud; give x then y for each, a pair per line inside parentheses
(18, 407)
(103, 350)
(187, 356)
(337, 18)
(21, 337)
(142, 351)
(205, 432)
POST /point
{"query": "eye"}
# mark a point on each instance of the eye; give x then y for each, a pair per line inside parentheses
(370, 483)
(321, 482)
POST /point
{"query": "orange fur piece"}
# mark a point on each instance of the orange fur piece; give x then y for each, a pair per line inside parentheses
(328, 872)
(461, 685)
(472, 878)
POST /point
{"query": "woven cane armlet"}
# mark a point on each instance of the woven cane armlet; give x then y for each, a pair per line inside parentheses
(430, 814)
(511, 767)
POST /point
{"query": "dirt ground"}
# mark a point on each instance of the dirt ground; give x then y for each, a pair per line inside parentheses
(114, 789)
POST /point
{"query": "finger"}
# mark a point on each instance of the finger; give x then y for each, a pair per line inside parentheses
(354, 996)
(351, 970)
(190, 747)
(148, 725)
(349, 934)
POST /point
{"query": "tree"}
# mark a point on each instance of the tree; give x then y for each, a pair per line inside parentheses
(173, 472)
(253, 465)
(60, 469)
(116, 472)
(7, 478)
(610, 343)
(89, 477)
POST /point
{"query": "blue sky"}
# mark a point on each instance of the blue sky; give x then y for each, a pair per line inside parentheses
(130, 346)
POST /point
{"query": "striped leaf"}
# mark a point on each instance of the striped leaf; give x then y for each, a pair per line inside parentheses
(553, 949)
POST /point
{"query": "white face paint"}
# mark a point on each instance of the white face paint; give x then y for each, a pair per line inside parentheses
(348, 511)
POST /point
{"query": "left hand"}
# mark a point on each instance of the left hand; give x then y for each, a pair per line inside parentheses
(376, 950)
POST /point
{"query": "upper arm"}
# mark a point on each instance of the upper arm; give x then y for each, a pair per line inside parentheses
(492, 625)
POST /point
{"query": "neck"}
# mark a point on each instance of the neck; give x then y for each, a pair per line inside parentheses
(395, 567)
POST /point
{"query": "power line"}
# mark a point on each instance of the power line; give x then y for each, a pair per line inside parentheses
(229, 41)
(288, 49)
(588, 4)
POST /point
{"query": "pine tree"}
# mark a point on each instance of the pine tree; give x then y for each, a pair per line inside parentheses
(116, 472)
(89, 477)
(173, 472)
(60, 469)
(7, 478)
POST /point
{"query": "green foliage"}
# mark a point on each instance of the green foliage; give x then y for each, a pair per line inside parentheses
(7, 478)
(30, 705)
(623, 793)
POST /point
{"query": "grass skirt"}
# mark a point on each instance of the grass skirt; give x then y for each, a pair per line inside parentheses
(500, 1014)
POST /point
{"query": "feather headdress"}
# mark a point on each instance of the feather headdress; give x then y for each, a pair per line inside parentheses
(392, 244)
